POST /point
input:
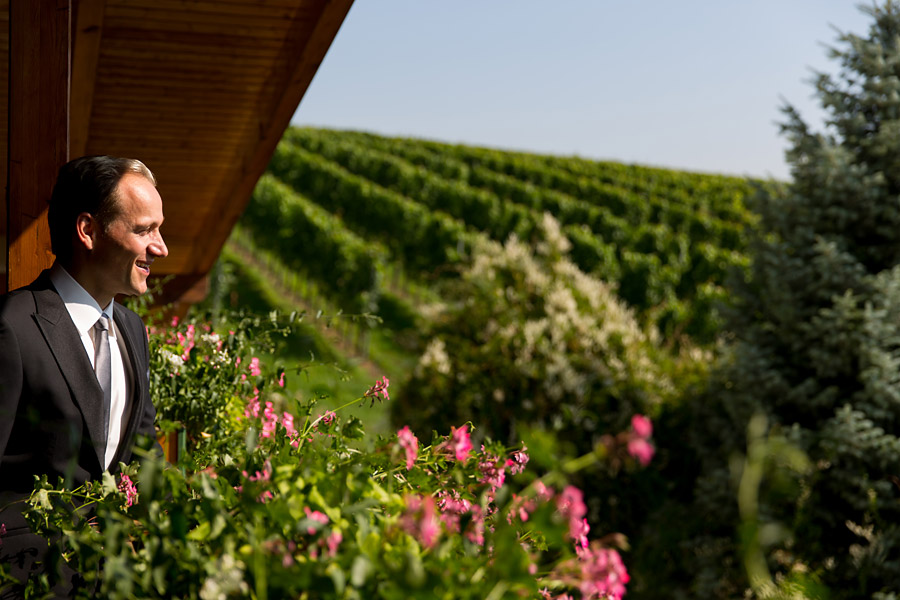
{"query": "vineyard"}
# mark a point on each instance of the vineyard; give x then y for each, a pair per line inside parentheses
(375, 225)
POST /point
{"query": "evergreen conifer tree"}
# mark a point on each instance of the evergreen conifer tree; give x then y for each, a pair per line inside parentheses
(816, 348)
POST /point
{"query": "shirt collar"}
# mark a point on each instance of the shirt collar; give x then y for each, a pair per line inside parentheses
(82, 307)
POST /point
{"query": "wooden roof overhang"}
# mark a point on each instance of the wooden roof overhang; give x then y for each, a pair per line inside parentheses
(199, 90)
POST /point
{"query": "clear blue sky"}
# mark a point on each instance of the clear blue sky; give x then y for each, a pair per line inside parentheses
(685, 84)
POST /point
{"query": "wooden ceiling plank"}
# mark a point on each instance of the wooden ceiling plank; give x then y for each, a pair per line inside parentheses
(216, 7)
(212, 85)
(124, 71)
(201, 29)
(220, 112)
(171, 133)
(177, 15)
(85, 53)
(272, 122)
(193, 119)
(218, 97)
(185, 143)
(125, 39)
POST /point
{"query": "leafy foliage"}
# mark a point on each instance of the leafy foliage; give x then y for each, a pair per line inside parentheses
(292, 503)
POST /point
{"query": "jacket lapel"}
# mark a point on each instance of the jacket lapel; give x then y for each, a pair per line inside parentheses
(65, 344)
(139, 385)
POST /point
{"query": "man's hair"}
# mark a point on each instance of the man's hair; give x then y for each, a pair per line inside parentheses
(87, 185)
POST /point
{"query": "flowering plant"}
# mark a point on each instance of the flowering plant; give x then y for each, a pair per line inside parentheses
(280, 498)
(299, 509)
(200, 373)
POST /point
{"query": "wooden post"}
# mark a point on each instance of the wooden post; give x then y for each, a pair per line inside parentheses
(4, 132)
(39, 63)
(88, 22)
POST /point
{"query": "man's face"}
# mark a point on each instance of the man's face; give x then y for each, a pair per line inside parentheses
(123, 253)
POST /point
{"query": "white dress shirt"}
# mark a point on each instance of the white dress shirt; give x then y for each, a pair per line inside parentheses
(85, 311)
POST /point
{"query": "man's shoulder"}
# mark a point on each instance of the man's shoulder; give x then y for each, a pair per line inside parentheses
(22, 302)
(17, 304)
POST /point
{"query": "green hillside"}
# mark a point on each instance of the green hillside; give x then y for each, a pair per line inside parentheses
(373, 230)
(367, 217)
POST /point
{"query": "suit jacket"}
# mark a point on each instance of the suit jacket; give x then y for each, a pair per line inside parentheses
(51, 405)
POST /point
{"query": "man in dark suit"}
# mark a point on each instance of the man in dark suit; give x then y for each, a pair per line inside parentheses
(74, 364)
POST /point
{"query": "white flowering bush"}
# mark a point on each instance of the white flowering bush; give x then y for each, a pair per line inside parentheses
(532, 340)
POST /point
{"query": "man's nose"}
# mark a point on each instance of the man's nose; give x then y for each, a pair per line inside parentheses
(158, 247)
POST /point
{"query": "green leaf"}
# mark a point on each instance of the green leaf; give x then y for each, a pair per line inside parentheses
(109, 484)
(360, 571)
(42, 499)
(337, 577)
(200, 532)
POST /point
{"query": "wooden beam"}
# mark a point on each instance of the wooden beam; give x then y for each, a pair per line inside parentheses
(40, 33)
(85, 52)
(4, 133)
(302, 54)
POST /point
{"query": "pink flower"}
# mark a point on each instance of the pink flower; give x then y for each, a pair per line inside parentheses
(2, 532)
(410, 444)
(570, 505)
(328, 417)
(493, 470)
(126, 486)
(332, 541)
(603, 574)
(420, 520)
(596, 571)
(519, 460)
(281, 380)
(265, 497)
(475, 530)
(264, 475)
(580, 534)
(451, 501)
(460, 442)
(641, 449)
(270, 421)
(520, 508)
(544, 493)
(380, 387)
(316, 516)
(287, 419)
(252, 409)
(642, 426)
(255, 371)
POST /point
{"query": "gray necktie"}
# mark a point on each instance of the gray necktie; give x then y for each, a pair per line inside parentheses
(103, 368)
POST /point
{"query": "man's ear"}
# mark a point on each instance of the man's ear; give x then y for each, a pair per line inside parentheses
(86, 229)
